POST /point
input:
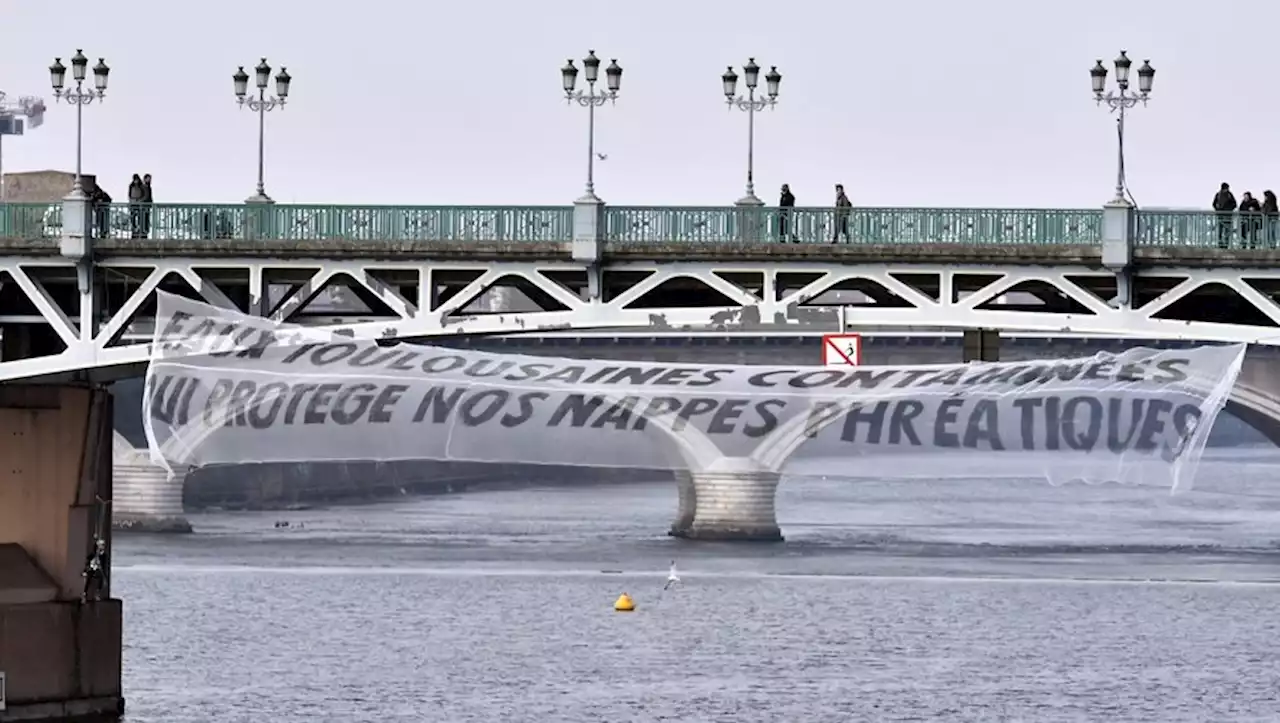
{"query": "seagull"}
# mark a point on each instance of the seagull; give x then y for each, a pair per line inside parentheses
(602, 156)
(672, 577)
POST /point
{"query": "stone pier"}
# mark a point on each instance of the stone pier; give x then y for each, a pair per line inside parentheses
(61, 656)
(147, 498)
(733, 500)
(687, 503)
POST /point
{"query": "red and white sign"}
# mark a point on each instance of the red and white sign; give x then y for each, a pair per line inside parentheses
(841, 350)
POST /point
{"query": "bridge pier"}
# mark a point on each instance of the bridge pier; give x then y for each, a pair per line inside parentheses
(147, 498)
(735, 500)
(687, 503)
(61, 656)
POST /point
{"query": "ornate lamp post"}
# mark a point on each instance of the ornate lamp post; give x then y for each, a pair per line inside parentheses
(79, 96)
(260, 105)
(751, 104)
(1121, 100)
(591, 99)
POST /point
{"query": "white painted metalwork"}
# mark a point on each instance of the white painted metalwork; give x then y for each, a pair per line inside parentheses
(752, 298)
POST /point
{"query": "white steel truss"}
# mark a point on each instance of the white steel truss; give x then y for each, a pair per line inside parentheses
(414, 298)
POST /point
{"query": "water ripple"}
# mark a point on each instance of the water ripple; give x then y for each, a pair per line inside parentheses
(905, 602)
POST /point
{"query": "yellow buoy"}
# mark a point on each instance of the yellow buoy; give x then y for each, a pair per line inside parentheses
(624, 604)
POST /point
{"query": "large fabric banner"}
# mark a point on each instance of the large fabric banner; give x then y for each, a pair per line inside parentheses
(224, 387)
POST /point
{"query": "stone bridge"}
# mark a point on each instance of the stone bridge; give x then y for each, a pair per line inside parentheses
(725, 504)
(740, 503)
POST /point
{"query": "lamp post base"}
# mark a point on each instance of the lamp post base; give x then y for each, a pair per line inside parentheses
(259, 198)
(77, 193)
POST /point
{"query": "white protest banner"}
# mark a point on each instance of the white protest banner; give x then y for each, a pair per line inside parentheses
(223, 388)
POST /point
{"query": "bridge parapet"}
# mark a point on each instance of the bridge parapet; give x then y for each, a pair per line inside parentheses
(686, 225)
(1205, 229)
(623, 224)
(70, 303)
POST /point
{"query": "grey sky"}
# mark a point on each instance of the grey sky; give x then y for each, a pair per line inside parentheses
(932, 103)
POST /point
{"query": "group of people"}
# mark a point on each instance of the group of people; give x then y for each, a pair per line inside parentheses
(139, 208)
(1258, 219)
(787, 201)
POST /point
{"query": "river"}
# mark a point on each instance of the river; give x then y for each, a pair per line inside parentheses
(890, 601)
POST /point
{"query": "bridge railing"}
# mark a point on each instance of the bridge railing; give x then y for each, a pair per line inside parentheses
(634, 224)
(23, 220)
(213, 222)
(957, 226)
(1207, 229)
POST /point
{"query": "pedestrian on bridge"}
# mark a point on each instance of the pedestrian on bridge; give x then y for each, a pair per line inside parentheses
(843, 206)
(786, 203)
(1270, 217)
(136, 193)
(1250, 220)
(100, 202)
(146, 205)
(1224, 203)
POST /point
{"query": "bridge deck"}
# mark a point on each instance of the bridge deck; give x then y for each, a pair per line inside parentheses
(432, 272)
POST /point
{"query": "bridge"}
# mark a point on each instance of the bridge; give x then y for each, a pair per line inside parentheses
(74, 301)
(78, 285)
(79, 295)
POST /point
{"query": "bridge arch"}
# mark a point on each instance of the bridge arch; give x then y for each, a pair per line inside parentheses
(1260, 409)
(699, 465)
(735, 497)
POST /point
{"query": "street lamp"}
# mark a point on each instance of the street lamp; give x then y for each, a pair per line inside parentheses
(1120, 101)
(260, 105)
(751, 104)
(591, 99)
(79, 97)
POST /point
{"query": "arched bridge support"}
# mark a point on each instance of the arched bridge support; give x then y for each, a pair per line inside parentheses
(148, 498)
(61, 654)
(687, 504)
(733, 499)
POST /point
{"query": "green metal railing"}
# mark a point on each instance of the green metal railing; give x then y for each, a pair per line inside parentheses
(23, 220)
(959, 226)
(1207, 229)
(631, 224)
(187, 221)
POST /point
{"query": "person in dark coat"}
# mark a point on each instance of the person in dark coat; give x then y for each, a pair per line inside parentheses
(136, 192)
(1250, 219)
(1270, 217)
(1224, 203)
(843, 206)
(146, 205)
(786, 203)
(100, 202)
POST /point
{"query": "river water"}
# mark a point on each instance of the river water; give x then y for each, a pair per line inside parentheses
(890, 601)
